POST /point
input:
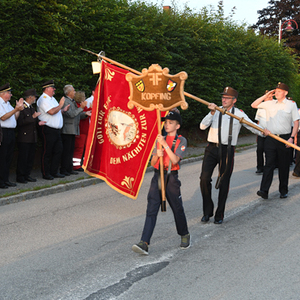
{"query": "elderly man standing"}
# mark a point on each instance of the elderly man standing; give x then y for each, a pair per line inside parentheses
(8, 122)
(51, 114)
(70, 129)
(280, 115)
(222, 139)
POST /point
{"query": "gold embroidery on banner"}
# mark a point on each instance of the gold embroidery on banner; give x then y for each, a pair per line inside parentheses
(90, 164)
(107, 102)
(109, 74)
(127, 181)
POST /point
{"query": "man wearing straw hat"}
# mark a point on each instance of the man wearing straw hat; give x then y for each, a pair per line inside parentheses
(280, 115)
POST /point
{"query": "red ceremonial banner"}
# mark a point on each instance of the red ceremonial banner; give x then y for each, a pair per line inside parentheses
(120, 140)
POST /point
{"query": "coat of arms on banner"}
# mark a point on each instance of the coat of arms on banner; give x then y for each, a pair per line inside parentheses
(157, 89)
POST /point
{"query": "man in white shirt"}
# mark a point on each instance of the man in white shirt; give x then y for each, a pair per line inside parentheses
(222, 138)
(260, 117)
(280, 115)
(89, 100)
(8, 122)
(51, 114)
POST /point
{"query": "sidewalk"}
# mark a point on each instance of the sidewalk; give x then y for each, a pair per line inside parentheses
(44, 187)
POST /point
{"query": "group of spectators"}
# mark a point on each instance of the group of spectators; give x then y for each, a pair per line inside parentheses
(62, 127)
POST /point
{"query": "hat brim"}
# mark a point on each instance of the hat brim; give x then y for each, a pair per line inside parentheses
(49, 85)
(163, 119)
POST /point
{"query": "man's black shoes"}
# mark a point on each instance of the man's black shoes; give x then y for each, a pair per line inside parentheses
(58, 175)
(218, 221)
(48, 177)
(8, 183)
(21, 180)
(30, 179)
(205, 219)
(282, 196)
(262, 194)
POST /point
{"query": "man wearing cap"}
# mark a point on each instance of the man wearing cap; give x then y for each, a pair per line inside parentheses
(8, 121)
(51, 114)
(280, 115)
(27, 137)
(222, 139)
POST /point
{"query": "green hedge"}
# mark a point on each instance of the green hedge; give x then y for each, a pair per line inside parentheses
(41, 40)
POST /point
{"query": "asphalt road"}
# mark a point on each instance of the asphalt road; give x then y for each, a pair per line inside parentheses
(77, 244)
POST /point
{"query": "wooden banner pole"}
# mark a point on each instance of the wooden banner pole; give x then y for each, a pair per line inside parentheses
(161, 167)
(241, 120)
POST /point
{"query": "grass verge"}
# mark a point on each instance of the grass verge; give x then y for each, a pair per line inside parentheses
(37, 188)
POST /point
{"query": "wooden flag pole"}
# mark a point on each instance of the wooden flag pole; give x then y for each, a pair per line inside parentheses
(241, 120)
(161, 167)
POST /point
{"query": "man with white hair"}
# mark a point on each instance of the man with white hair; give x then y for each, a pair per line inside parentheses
(70, 129)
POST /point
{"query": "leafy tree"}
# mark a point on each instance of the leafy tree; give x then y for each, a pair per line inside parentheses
(283, 10)
(41, 40)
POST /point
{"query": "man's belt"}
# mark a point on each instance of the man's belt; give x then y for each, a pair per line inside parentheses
(283, 135)
(8, 128)
(217, 144)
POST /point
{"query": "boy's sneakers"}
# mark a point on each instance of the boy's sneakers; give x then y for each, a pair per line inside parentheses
(141, 248)
(185, 241)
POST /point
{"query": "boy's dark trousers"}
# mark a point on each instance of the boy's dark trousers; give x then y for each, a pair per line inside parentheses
(174, 199)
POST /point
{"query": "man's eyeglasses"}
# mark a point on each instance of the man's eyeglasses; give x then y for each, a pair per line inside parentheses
(227, 98)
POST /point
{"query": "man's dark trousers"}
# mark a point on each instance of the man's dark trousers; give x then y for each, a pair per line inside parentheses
(210, 161)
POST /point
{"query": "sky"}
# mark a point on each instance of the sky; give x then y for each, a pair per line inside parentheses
(246, 10)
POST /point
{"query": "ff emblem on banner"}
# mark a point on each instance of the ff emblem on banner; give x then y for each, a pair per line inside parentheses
(156, 89)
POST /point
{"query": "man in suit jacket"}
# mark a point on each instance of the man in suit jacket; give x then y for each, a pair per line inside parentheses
(69, 130)
(27, 137)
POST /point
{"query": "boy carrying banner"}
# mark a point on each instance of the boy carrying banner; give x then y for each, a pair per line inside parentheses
(172, 152)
